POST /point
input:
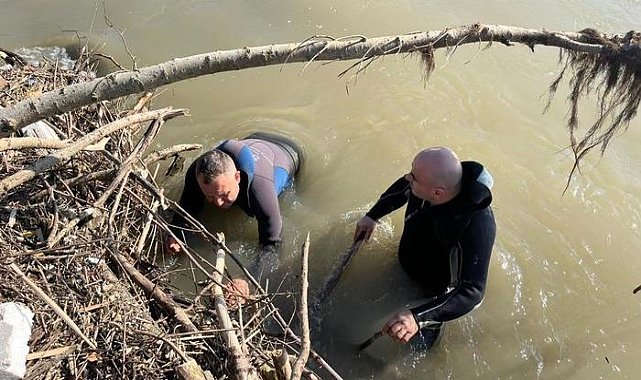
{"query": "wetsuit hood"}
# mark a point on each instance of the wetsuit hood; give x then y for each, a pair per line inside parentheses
(477, 183)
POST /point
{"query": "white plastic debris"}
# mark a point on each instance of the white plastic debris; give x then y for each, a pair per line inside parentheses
(15, 329)
(92, 260)
(41, 129)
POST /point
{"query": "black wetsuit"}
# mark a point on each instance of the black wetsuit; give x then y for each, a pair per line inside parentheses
(267, 165)
(446, 248)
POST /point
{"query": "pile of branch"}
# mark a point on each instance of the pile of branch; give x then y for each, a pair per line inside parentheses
(82, 236)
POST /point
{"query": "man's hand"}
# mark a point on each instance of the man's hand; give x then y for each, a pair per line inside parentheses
(364, 228)
(171, 245)
(402, 327)
(266, 261)
(236, 293)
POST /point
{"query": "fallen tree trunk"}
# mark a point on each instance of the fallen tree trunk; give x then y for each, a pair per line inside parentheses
(324, 48)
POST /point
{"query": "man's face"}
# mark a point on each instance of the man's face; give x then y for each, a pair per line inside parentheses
(222, 191)
(419, 183)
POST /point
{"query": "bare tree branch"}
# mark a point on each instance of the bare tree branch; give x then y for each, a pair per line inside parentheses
(124, 83)
(62, 155)
(297, 371)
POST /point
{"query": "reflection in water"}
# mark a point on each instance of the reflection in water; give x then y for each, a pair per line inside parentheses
(559, 293)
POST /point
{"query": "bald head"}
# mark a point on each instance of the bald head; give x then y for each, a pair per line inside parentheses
(439, 170)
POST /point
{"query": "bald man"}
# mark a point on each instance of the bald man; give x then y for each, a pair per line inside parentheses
(447, 239)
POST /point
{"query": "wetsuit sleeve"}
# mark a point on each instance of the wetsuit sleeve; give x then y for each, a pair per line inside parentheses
(474, 250)
(191, 199)
(264, 201)
(392, 199)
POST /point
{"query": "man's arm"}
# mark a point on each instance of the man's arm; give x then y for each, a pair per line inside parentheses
(475, 249)
(392, 199)
(191, 200)
(264, 205)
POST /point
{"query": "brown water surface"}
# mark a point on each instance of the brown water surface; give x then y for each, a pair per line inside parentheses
(559, 298)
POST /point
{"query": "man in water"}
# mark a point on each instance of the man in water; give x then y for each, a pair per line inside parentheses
(447, 239)
(250, 173)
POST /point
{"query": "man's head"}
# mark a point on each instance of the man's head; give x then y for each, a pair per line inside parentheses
(436, 175)
(218, 178)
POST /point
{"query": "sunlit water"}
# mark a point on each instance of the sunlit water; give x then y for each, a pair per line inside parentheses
(559, 302)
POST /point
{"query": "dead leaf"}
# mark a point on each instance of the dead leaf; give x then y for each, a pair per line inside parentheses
(3, 83)
(34, 94)
(236, 293)
(93, 357)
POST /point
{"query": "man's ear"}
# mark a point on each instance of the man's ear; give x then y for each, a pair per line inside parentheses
(439, 192)
(237, 176)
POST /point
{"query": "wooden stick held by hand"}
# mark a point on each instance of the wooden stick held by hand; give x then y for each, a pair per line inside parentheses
(369, 341)
(332, 279)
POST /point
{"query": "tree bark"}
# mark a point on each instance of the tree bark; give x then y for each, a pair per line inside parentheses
(242, 366)
(299, 365)
(282, 365)
(321, 48)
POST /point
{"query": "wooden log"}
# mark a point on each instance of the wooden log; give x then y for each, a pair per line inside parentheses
(151, 290)
(297, 371)
(331, 281)
(282, 365)
(242, 368)
(190, 370)
(160, 155)
(53, 352)
(322, 48)
(16, 143)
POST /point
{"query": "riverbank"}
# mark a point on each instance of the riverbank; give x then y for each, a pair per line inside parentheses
(83, 230)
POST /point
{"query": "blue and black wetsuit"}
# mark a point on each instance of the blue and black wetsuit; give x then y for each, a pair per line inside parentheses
(446, 248)
(267, 165)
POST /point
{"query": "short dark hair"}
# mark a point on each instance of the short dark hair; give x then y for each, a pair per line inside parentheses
(214, 163)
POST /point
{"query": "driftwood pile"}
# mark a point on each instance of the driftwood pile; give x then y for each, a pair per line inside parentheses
(82, 232)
